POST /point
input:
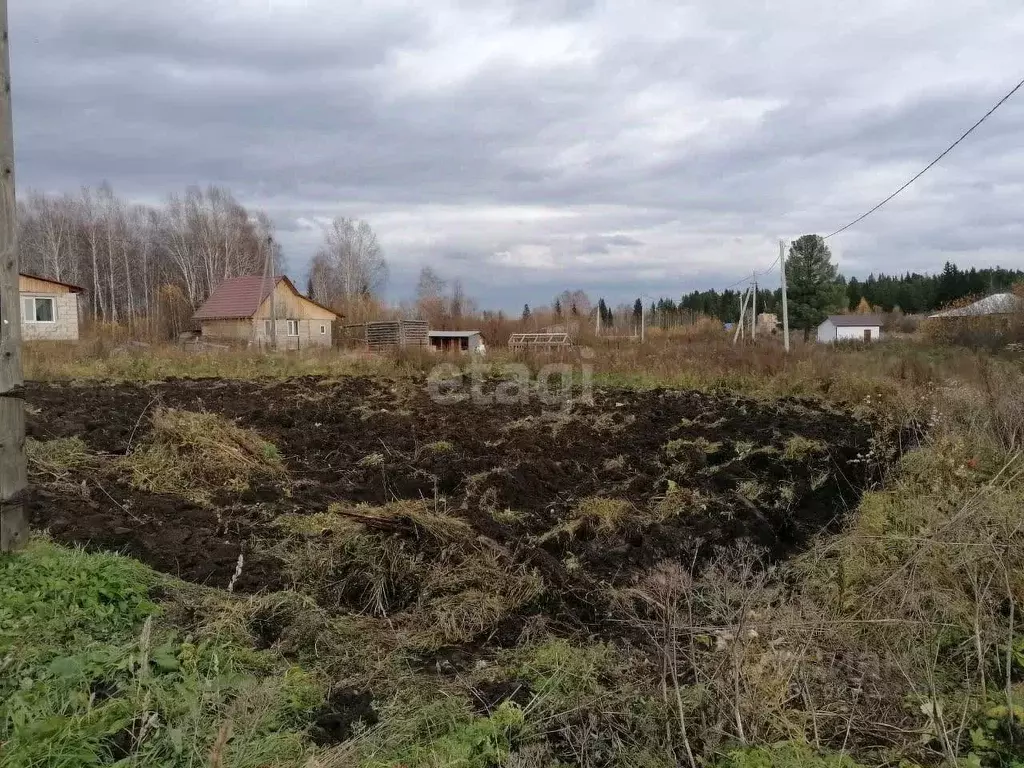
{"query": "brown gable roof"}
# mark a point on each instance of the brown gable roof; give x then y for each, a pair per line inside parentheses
(240, 297)
(236, 298)
(69, 286)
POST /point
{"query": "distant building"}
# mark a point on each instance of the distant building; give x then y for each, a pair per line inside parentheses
(49, 309)
(850, 328)
(767, 322)
(457, 341)
(267, 311)
(999, 304)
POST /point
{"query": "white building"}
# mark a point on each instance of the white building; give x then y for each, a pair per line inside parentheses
(49, 309)
(457, 341)
(850, 328)
(999, 304)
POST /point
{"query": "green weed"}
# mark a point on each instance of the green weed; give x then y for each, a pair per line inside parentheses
(784, 755)
(91, 676)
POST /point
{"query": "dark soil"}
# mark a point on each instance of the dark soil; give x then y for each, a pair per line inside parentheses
(484, 459)
(489, 696)
(334, 722)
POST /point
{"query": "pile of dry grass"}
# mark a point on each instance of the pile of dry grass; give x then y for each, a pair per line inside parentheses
(57, 461)
(412, 562)
(198, 453)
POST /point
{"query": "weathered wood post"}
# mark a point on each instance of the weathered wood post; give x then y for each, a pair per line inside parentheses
(13, 473)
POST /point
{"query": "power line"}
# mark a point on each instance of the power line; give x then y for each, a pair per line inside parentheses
(741, 280)
(766, 271)
(753, 275)
(930, 165)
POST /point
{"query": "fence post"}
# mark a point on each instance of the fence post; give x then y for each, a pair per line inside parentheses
(13, 470)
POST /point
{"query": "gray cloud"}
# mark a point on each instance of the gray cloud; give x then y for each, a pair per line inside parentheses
(530, 146)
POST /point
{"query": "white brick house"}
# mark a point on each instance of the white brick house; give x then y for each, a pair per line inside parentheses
(49, 309)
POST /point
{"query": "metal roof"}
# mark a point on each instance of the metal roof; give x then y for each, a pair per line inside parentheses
(996, 304)
(237, 297)
(848, 321)
(240, 297)
(452, 334)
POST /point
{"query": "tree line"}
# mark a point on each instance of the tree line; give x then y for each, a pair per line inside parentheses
(914, 293)
(152, 266)
(910, 293)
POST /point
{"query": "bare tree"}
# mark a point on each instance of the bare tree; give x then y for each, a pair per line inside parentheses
(349, 265)
(125, 255)
(430, 299)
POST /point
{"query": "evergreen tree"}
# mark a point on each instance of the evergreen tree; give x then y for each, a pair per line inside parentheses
(526, 312)
(638, 312)
(812, 281)
(558, 308)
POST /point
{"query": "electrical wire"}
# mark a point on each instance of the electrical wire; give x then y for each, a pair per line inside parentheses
(754, 274)
(774, 263)
(934, 162)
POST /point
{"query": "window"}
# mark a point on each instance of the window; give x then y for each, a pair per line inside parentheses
(323, 330)
(293, 327)
(37, 310)
(268, 328)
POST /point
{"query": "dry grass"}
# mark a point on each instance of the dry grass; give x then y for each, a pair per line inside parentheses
(679, 500)
(412, 563)
(57, 461)
(798, 448)
(594, 515)
(899, 636)
(198, 453)
(461, 600)
(898, 639)
(429, 518)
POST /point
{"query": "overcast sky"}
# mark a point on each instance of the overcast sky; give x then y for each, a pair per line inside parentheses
(528, 146)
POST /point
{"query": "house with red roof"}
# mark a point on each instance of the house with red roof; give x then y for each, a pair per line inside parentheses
(265, 311)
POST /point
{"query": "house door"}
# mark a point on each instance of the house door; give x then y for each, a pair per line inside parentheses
(867, 334)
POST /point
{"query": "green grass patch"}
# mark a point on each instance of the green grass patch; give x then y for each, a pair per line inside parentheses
(91, 675)
(786, 754)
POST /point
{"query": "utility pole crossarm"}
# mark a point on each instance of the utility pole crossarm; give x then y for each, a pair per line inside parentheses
(13, 473)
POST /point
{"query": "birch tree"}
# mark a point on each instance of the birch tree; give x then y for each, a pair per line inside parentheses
(349, 265)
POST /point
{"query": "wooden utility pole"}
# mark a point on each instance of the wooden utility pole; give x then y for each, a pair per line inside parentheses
(785, 305)
(753, 313)
(273, 291)
(743, 308)
(13, 471)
